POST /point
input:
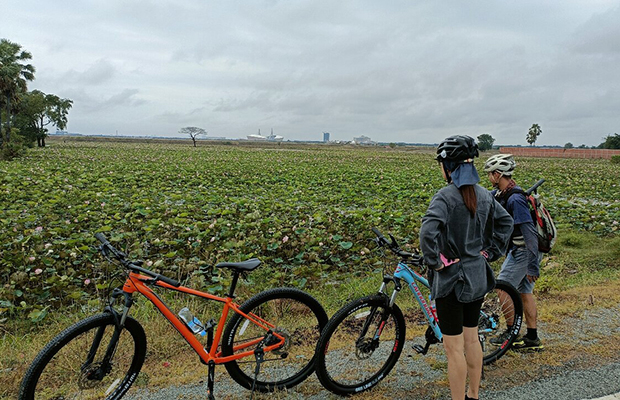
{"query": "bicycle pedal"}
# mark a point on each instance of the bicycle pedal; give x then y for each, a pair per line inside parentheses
(419, 349)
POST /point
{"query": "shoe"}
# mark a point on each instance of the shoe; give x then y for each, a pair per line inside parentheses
(525, 343)
(501, 339)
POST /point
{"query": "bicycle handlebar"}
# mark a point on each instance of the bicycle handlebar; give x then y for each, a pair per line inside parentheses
(381, 240)
(106, 246)
(533, 188)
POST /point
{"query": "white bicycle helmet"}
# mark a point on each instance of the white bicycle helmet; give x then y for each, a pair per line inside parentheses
(502, 163)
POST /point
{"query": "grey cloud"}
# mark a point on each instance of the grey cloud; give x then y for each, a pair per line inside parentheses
(98, 73)
(600, 35)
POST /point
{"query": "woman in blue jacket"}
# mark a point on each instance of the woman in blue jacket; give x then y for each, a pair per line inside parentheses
(462, 230)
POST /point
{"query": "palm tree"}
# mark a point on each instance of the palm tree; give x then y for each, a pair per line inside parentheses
(14, 75)
(533, 134)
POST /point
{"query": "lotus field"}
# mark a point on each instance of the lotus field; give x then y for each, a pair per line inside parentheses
(305, 210)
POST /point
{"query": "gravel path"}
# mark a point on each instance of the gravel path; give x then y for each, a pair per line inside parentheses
(424, 377)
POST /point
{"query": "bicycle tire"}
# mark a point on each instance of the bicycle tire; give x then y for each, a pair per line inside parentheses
(497, 309)
(296, 314)
(348, 361)
(58, 371)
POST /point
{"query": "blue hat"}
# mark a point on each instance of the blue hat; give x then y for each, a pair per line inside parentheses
(463, 173)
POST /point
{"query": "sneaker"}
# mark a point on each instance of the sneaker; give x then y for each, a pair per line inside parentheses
(501, 339)
(525, 343)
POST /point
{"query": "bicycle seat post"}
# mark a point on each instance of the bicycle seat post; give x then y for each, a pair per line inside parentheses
(233, 284)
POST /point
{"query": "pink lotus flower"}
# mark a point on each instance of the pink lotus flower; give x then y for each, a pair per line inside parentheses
(38, 271)
(31, 258)
(86, 282)
(38, 229)
(285, 239)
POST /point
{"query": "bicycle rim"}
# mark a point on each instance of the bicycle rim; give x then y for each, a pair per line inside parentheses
(501, 308)
(61, 370)
(351, 357)
(294, 315)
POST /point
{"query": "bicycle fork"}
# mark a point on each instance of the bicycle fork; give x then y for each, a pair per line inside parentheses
(364, 345)
(106, 364)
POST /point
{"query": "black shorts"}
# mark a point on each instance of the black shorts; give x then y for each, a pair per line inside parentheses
(454, 315)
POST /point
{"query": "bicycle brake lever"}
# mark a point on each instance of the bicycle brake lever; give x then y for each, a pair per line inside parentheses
(394, 244)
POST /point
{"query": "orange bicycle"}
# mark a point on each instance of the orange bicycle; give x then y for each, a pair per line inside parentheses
(267, 344)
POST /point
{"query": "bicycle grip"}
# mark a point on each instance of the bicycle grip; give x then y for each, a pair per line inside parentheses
(101, 237)
(536, 185)
(376, 232)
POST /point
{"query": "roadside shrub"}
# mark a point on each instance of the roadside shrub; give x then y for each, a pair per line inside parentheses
(14, 148)
(615, 159)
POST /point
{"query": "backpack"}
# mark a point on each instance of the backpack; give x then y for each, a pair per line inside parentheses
(545, 228)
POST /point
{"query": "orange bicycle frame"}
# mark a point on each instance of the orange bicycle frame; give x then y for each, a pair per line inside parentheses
(138, 283)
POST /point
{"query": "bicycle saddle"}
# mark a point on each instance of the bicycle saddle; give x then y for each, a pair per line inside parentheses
(247, 265)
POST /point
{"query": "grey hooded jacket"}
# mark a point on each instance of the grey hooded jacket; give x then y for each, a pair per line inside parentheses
(448, 228)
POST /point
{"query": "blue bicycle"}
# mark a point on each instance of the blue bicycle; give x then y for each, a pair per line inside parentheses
(362, 342)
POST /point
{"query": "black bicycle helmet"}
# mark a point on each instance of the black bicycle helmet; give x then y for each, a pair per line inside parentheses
(457, 148)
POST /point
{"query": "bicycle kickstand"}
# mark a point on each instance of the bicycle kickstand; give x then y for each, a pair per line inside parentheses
(210, 380)
(211, 365)
(260, 357)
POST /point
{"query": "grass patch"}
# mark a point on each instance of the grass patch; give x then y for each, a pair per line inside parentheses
(580, 274)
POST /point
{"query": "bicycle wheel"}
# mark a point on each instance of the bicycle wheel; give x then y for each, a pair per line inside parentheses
(502, 308)
(62, 370)
(298, 317)
(360, 345)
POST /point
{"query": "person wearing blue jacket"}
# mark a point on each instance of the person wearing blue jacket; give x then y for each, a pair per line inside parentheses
(463, 229)
(521, 268)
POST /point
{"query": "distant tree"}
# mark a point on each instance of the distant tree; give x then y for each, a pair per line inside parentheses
(533, 133)
(193, 132)
(568, 145)
(583, 146)
(611, 142)
(485, 142)
(38, 110)
(14, 75)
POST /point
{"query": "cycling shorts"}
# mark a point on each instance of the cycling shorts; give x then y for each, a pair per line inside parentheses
(454, 315)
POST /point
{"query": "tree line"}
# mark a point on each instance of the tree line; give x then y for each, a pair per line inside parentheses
(485, 141)
(25, 116)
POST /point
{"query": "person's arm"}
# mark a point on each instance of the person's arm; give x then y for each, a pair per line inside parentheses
(502, 229)
(433, 224)
(531, 244)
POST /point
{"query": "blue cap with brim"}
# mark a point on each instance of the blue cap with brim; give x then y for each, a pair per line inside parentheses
(464, 174)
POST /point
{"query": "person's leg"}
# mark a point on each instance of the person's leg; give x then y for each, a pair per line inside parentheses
(513, 271)
(529, 309)
(473, 349)
(457, 365)
(473, 356)
(450, 314)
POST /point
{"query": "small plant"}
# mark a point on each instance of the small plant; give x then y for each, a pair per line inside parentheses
(615, 159)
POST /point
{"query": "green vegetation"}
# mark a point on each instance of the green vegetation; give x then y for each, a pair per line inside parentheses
(305, 211)
(485, 142)
(24, 116)
(611, 142)
(533, 133)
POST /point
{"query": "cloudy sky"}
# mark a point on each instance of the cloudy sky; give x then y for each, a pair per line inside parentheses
(412, 71)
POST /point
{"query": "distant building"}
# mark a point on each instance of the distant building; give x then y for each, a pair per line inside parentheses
(362, 140)
(325, 137)
(261, 138)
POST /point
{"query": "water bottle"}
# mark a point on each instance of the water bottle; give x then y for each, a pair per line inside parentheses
(192, 322)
